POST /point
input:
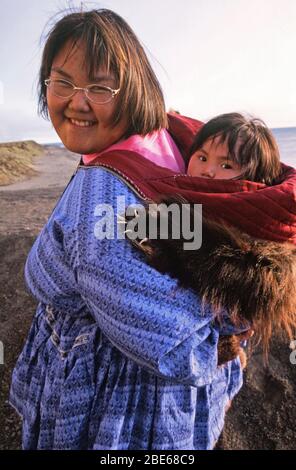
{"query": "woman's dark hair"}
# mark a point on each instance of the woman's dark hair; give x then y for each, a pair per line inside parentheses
(110, 41)
(251, 145)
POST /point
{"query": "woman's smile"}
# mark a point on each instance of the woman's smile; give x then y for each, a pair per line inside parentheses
(84, 124)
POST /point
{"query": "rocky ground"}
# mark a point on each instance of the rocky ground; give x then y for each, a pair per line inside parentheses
(262, 416)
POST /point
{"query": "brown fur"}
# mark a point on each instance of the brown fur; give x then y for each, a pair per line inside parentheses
(254, 280)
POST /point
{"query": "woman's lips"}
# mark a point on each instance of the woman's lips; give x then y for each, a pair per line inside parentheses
(81, 123)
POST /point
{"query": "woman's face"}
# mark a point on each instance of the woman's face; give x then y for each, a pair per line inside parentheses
(212, 160)
(91, 129)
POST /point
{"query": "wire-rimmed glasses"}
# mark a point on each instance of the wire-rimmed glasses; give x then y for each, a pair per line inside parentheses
(98, 94)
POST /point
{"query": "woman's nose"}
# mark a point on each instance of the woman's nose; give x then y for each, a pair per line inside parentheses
(79, 101)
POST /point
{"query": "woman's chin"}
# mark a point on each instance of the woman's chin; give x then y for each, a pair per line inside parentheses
(77, 147)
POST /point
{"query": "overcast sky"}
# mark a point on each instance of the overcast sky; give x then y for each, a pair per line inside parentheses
(211, 56)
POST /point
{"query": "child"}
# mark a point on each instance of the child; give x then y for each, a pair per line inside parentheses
(251, 278)
(231, 146)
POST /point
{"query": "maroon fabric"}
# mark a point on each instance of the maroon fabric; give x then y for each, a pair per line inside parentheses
(183, 130)
(266, 212)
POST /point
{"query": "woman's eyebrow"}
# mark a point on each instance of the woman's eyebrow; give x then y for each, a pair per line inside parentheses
(101, 78)
(60, 71)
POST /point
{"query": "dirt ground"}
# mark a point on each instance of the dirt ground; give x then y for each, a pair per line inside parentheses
(262, 416)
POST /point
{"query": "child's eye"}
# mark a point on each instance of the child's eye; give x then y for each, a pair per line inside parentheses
(226, 166)
(202, 158)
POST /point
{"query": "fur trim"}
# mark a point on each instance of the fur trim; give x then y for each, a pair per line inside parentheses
(254, 280)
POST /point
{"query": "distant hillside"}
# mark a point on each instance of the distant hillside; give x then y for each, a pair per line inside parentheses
(16, 160)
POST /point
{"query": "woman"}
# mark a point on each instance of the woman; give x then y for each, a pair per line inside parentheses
(118, 357)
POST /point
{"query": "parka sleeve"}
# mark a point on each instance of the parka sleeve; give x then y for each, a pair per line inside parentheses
(49, 272)
(162, 329)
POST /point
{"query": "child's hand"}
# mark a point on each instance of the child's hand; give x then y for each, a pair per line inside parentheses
(229, 347)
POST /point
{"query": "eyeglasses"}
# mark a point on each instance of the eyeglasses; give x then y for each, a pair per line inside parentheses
(96, 93)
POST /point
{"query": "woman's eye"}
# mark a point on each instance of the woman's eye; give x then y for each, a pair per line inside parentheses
(98, 89)
(62, 83)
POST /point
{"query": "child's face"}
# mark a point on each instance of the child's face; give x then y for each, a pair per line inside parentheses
(212, 160)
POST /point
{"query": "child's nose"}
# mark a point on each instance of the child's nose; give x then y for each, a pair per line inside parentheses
(209, 172)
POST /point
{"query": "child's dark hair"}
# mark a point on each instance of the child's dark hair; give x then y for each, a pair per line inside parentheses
(251, 145)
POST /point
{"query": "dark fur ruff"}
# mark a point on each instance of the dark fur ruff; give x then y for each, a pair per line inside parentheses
(254, 280)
